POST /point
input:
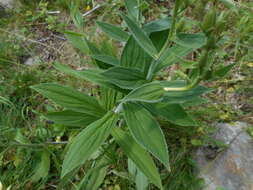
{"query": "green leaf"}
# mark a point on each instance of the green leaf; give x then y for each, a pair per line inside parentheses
(91, 75)
(95, 176)
(113, 31)
(110, 60)
(95, 51)
(186, 43)
(169, 57)
(195, 102)
(159, 38)
(182, 96)
(126, 78)
(150, 92)
(109, 98)
(78, 41)
(71, 118)
(141, 37)
(87, 142)
(223, 71)
(146, 131)
(138, 155)
(134, 56)
(140, 179)
(43, 167)
(194, 41)
(132, 9)
(67, 179)
(173, 113)
(77, 17)
(70, 98)
(158, 25)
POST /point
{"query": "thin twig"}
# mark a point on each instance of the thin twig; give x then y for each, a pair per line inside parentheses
(92, 10)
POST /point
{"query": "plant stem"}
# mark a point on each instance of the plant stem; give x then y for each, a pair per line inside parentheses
(170, 35)
(185, 88)
(172, 29)
(39, 145)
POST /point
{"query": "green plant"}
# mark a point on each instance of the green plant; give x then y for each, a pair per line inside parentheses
(127, 107)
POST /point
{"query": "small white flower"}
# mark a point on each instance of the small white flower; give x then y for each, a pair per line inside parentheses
(1, 186)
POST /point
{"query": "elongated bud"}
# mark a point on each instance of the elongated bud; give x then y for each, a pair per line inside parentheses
(209, 21)
(221, 22)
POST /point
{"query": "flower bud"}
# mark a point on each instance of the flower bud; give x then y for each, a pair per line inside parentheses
(221, 23)
(209, 21)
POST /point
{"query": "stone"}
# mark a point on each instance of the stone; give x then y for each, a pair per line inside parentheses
(31, 61)
(232, 168)
(7, 3)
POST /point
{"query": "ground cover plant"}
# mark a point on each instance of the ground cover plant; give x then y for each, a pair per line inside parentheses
(130, 127)
(131, 97)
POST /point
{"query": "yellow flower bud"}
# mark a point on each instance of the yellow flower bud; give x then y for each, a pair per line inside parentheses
(88, 8)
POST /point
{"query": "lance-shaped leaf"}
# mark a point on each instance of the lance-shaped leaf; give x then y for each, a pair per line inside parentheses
(87, 142)
(151, 92)
(70, 98)
(133, 9)
(95, 51)
(126, 78)
(141, 37)
(95, 176)
(71, 118)
(158, 25)
(78, 41)
(169, 57)
(221, 72)
(109, 98)
(194, 41)
(159, 39)
(133, 56)
(186, 43)
(140, 179)
(146, 131)
(138, 155)
(113, 31)
(110, 60)
(91, 75)
(173, 113)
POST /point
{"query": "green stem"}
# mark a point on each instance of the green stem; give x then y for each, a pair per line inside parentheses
(170, 35)
(202, 64)
(172, 29)
(38, 145)
(185, 88)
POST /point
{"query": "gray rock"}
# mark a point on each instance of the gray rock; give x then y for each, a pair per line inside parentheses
(7, 3)
(31, 61)
(231, 168)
